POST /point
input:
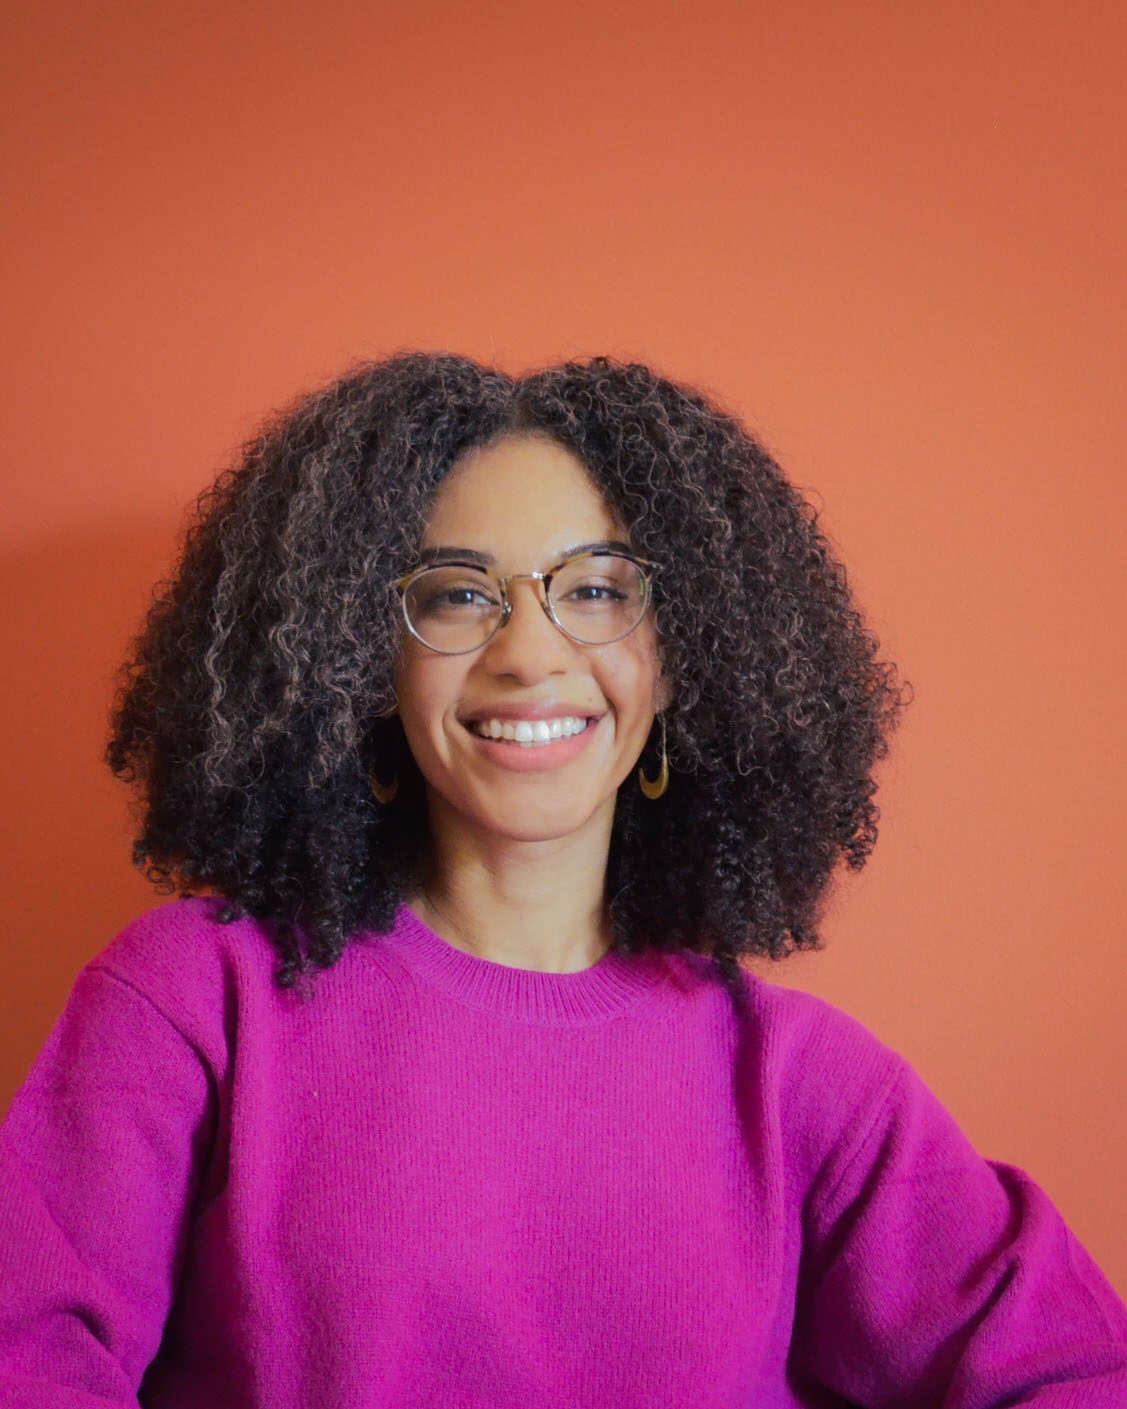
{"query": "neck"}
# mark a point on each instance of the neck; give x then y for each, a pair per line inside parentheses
(537, 904)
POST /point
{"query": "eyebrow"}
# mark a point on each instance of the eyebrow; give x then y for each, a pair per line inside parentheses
(471, 555)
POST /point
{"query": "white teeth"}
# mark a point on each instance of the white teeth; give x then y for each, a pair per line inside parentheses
(530, 733)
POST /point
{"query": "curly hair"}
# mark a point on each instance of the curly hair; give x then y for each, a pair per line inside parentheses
(253, 706)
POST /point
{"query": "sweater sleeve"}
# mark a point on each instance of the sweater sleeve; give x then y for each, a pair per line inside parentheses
(101, 1157)
(933, 1277)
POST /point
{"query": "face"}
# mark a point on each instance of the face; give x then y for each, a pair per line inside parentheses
(527, 502)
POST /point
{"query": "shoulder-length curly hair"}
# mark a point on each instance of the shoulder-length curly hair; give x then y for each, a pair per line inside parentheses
(252, 708)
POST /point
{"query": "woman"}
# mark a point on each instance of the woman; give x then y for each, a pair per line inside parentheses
(491, 722)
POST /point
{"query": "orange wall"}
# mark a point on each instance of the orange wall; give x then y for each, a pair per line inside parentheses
(890, 234)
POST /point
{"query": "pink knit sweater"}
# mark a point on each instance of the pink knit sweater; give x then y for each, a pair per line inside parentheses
(440, 1181)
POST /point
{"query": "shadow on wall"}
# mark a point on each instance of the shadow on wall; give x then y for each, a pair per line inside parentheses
(67, 883)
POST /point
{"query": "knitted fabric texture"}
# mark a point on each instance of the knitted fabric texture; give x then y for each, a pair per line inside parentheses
(441, 1181)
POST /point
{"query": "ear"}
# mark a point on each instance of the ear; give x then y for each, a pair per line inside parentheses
(663, 693)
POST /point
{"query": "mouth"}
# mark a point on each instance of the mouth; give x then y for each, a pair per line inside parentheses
(530, 733)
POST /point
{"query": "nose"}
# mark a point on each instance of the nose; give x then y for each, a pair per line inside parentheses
(529, 645)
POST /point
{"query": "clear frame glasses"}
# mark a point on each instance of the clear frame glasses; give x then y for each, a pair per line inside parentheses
(592, 597)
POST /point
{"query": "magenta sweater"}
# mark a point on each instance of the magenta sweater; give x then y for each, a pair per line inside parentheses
(439, 1181)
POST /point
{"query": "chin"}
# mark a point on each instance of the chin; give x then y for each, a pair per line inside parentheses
(534, 827)
(538, 819)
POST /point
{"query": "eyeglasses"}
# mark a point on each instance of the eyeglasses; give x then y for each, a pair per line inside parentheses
(594, 598)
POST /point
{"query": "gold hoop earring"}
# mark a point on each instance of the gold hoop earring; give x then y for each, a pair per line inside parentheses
(661, 782)
(382, 793)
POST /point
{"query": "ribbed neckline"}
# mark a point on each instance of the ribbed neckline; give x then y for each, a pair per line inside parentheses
(617, 982)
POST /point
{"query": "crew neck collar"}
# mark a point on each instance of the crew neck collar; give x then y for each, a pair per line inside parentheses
(616, 982)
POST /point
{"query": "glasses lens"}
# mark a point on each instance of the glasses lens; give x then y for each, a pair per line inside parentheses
(452, 608)
(599, 598)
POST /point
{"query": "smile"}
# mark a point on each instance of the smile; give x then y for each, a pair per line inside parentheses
(528, 733)
(535, 754)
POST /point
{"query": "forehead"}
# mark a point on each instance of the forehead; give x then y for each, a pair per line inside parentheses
(523, 499)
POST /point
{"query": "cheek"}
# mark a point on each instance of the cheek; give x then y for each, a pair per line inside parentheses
(423, 693)
(660, 686)
(631, 680)
(648, 663)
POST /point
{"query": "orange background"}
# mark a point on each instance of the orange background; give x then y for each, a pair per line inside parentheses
(888, 234)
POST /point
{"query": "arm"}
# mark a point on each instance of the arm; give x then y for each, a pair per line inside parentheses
(101, 1157)
(932, 1277)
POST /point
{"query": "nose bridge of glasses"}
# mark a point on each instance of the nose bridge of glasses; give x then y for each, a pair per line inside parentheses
(537, 581)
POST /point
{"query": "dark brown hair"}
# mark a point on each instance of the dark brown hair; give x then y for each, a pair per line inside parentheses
(249, 711)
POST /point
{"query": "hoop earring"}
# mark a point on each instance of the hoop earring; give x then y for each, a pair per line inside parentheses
(655, 789)
(381, 792)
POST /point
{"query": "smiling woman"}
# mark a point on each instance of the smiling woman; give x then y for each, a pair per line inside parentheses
(488, 725)
(503, 657)
(259, 712)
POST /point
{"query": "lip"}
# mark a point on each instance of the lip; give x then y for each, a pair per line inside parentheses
(537, 758)
(528, 711)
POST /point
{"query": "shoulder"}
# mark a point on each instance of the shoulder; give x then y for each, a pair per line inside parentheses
(214, 980)
(794, 1030)
(194, 969)
(182, 939)
(804, 1032)
(824, 1077)
(799, 1046)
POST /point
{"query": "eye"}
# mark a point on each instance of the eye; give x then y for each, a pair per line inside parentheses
(448, 592)
(594, 592)
(599, 585)
(456, 597)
